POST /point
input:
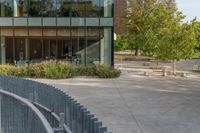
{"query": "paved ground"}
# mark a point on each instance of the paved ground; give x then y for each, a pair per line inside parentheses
(137, 104)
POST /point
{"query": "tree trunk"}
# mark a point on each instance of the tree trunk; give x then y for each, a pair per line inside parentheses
(174, 67)
(136, 51)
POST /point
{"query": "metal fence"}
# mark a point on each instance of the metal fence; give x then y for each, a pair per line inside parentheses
(31, 107)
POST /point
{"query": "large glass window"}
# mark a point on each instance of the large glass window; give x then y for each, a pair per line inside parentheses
(49, 8)
(20, 8)
(64, 8)
(6, 8)
(78, 46)
(35, 8)
(20, 49)
(50, 48)
(78, 8)
(93, 46)
(9, 50)
(35, 48)
(106, 8)
(92, 8)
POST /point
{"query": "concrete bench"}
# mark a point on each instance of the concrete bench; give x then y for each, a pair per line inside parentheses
(166, 70)
(147, 72)
(196, 68)
(146, 64)
(181, 73)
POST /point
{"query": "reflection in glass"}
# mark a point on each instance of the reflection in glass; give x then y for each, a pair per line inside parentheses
(78, 46)
(49, 8)
(20, 8)
(106, 8)
(6, 8)
(78, 8)
(9, 49)
(64, 8)
(63, 48)
(35, 48)
(20, 48)
(93, 46)
(92, 8)
(35, 9)
(49, 48)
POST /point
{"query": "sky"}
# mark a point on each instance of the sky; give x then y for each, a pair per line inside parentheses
(190, 8)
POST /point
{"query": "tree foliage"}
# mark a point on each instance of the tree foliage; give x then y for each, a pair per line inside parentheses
(120, 43)
(197, 32)
(157, 28)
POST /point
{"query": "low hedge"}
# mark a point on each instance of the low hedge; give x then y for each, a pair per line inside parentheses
(58, 70)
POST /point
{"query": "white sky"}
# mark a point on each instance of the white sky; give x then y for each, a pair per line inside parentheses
(190, 8)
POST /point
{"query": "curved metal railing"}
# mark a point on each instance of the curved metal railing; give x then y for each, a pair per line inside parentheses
(51, 105)
(32, 107)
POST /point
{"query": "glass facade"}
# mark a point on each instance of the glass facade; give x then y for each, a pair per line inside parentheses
(7, 8)
(54, 8)
(77, 31)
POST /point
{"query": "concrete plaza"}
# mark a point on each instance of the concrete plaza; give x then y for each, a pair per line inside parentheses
(137, 104)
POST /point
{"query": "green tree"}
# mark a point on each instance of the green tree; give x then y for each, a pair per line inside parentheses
(136, 14)
(197, 32)
(120, 43)
(137, 20)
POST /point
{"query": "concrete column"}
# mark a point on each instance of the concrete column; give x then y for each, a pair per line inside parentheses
(106, 48)
(102, 51)
(27, 49)
(3, 50)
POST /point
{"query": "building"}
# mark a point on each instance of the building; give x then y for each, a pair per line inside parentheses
(120, 13)
(80, 31)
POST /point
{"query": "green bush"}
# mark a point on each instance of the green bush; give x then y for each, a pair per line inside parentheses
(58, 70)
(19, 71)
(107, 72)
(5, 70)
(85, 71)
(36, 70)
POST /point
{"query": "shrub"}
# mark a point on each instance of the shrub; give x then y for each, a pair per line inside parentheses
(36, 70)
(85, 71)
(5, 70)
(58, 70)
(107, 72)
(19, 71)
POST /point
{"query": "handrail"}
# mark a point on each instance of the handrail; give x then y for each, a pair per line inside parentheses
(66, 128)
(44, 121)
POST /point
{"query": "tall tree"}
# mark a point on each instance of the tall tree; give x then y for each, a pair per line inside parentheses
(167, 37)
(136, 14)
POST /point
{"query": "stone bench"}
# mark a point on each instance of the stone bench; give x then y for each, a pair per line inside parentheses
(146, 64)
(181, 73)
(166, 70)
(196, 68)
